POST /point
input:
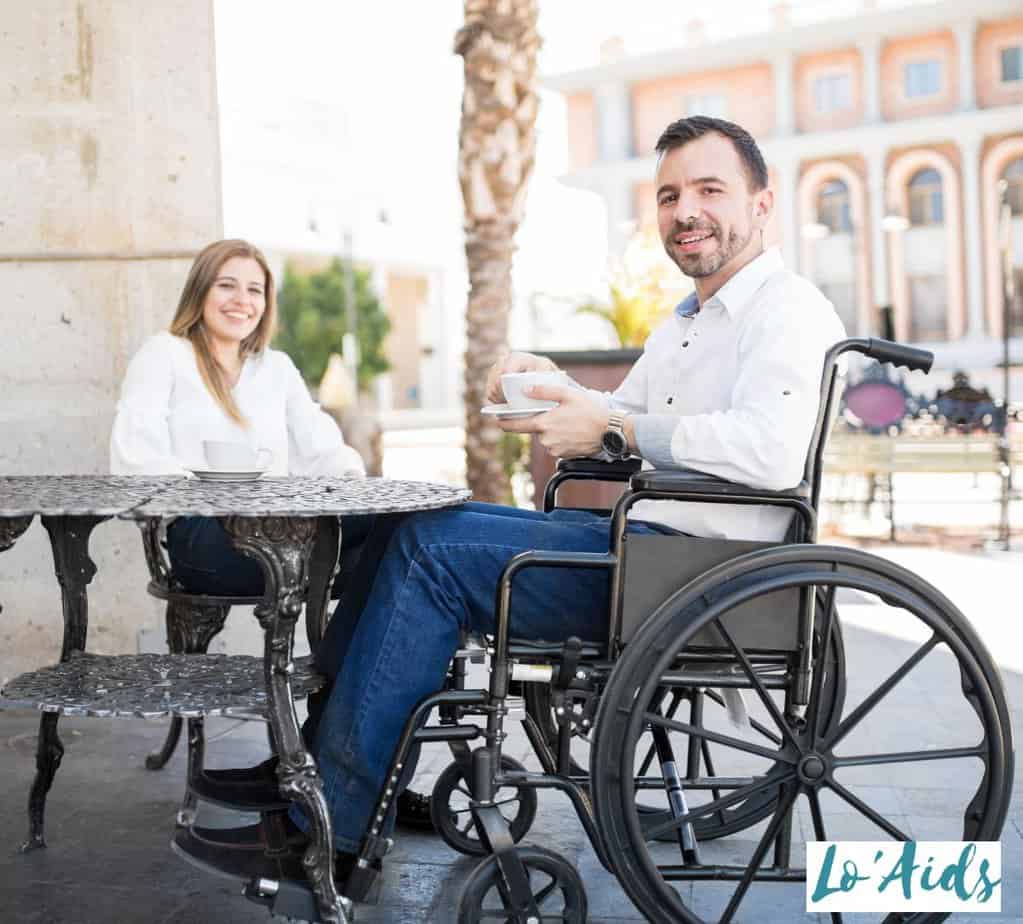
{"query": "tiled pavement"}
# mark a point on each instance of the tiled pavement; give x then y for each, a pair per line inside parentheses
(109, 820)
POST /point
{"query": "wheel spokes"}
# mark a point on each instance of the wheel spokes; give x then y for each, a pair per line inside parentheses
(857, 803)
(765, 697)
(908, 757)
(784, 807)
(710, 808)
(857, 715)
(816, 695)
(716, 737)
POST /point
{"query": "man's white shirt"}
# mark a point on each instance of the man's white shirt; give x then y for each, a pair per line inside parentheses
(732, 389)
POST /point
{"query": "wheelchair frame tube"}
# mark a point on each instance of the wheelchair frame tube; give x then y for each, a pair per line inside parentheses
(500, 668)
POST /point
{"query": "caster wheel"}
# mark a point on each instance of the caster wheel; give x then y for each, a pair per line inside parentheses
(452, 817)
(557, 890)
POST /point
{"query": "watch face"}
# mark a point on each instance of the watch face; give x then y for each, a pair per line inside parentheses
(614, 443)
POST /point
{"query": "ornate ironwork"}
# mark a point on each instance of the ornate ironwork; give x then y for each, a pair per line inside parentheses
(191, 625)
(282, 546)
(152, 686)
(49, 753)
(273, 521)
(76, 495)
(966, 409)
(10, 529)
(297, 497)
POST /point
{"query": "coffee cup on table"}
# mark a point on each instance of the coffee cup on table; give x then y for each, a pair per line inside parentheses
(516, 384)
(226, 456)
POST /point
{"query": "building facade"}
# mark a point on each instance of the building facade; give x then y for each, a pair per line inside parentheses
(888, 135)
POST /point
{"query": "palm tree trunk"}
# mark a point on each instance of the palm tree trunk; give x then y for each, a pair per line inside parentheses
(499, 43)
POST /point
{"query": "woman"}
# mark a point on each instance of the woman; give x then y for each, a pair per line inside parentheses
(213, 376)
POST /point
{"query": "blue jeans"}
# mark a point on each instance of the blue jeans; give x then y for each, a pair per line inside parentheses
(204, 560)
(438, 577)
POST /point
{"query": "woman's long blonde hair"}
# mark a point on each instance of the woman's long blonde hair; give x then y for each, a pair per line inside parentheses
(188, 318)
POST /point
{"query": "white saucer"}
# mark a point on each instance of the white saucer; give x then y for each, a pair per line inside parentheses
(504, 412)
(218, 474)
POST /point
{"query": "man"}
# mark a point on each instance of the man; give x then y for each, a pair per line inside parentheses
(728, 385)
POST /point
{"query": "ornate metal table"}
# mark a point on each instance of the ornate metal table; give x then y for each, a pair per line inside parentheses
(274, 521)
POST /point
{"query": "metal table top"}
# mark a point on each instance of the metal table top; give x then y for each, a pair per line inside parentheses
(297, 497)
(130, 497)
(76, 495)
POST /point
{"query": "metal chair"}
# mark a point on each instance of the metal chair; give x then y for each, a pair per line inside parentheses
(193, 620)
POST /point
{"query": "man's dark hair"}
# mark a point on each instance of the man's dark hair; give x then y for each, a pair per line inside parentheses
(685, 130)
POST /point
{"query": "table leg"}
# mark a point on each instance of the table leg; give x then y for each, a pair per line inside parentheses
(282, 546)
(69, 540)
(323, 569)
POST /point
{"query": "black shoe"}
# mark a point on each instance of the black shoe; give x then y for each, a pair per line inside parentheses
(271, 850)
(248, 789)
(413, 811)
(254, 789)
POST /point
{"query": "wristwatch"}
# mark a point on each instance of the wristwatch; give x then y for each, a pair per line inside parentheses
(614, 441)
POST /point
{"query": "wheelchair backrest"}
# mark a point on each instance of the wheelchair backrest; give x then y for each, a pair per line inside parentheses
(657, 566)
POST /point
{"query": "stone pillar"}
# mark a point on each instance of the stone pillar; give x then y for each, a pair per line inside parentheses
(614, 122)
(965, 37)
(786, 200)
(109, 184)
(619, 196)
(972, 223)
(870, 52)
(876, 208)
(784, 95)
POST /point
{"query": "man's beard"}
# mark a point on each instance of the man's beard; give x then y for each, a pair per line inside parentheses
(699, 265)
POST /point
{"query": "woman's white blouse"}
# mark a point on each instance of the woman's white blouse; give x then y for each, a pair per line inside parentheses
(165, 412)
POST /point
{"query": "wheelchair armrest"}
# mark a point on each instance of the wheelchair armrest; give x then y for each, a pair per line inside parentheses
(688, 483)
(598, 469)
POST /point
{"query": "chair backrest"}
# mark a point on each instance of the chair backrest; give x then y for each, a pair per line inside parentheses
(884, 351)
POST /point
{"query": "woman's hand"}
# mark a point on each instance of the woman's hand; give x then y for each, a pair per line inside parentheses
(514, 362)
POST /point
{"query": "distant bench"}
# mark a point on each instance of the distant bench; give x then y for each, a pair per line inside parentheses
(878, 457)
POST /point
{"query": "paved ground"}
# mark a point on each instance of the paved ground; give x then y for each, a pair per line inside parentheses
(109, 821)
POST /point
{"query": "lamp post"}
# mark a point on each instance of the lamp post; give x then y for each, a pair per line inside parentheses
(1008, 295)
(350, 340)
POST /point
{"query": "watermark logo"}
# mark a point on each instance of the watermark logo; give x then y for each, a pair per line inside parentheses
(904, 876)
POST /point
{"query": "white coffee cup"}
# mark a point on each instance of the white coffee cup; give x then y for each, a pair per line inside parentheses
(235, 457)
(515, 384)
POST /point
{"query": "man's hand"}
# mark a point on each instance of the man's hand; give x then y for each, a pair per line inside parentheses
(573, 428)
(514, 362)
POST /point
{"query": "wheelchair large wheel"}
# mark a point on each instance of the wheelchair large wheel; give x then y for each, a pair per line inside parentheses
(924, 708)
(554, 882)
(452, 817)
(700, 705)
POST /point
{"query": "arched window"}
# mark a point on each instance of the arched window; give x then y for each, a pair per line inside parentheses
(833, 206)
(926, 205)
(1014, 194)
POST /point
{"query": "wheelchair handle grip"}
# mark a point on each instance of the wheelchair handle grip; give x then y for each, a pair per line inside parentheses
(886, 351)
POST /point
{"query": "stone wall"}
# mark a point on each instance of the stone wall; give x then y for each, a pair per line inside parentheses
(109, 183)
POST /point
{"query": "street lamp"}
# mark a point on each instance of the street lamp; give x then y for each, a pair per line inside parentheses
(350, 341)
(1008, 296)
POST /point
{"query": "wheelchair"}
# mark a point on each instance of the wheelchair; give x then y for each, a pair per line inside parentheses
(724, 721)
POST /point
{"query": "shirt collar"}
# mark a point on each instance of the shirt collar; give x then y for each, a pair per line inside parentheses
(736, 294)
